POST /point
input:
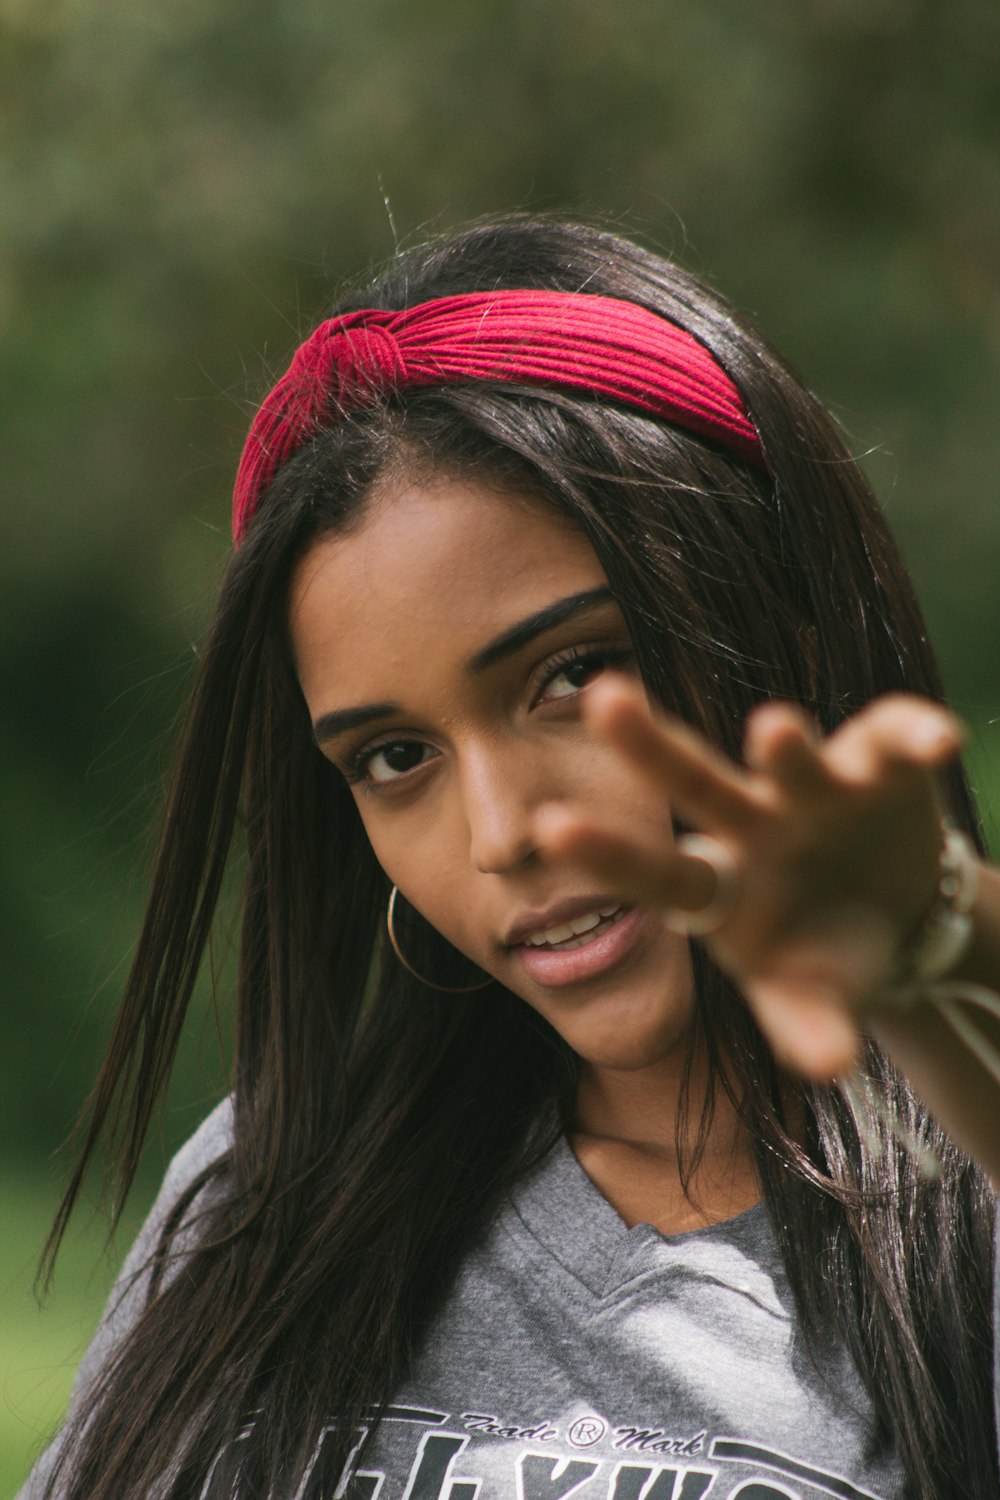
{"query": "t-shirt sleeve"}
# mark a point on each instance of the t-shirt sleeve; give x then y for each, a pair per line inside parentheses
(209, 1142)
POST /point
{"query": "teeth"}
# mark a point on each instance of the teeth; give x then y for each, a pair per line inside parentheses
(575, 928)
(585, 923)
(558, 934)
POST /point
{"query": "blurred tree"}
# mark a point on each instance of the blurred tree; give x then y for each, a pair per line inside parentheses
(181, 184)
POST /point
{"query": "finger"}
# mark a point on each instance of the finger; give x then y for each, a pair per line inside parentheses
(781, 740)
(699, 781)
(807, 1004)
(644, 873)
(808, 1030)
(898, 732)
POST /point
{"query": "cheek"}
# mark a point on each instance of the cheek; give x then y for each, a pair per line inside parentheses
(424, 857)
(424, 845)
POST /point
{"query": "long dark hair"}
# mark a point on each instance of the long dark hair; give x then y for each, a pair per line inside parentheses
(378, 1124)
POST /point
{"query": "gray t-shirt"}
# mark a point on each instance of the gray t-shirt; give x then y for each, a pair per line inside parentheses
(575, 1357)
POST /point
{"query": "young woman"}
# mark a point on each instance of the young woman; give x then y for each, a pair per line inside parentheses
(562, 631)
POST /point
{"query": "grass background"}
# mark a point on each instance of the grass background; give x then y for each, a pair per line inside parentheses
(40, 1345)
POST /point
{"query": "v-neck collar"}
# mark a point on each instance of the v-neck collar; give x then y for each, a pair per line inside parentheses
(568, 1215)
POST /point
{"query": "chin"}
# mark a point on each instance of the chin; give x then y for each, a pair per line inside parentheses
(620, 1047)
(642, 1022)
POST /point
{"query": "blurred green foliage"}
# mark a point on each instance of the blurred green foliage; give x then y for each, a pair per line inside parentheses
(181, 184)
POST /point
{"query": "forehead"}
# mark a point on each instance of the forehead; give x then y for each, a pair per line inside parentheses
(433, 563)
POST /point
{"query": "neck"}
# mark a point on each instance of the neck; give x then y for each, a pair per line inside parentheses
(677, 1172)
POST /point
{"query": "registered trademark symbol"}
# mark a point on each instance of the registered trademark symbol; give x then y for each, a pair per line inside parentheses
(586, 1431)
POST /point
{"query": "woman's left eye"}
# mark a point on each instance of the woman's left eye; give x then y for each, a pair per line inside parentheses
(568, 676)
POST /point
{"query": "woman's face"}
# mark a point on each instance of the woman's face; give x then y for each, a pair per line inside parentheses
(444, 649)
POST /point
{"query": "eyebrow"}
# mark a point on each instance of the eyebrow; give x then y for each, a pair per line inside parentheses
(328, 726)
(526, 630)
(510, 641)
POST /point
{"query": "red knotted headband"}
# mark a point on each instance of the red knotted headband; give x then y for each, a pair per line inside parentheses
(566, 340)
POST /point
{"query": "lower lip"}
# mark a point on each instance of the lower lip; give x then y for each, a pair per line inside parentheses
(553, 968)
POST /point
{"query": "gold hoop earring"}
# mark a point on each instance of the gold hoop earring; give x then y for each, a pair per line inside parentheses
(448, 989)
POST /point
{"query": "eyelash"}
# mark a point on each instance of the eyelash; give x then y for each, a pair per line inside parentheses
(607, 656)
(356, 769)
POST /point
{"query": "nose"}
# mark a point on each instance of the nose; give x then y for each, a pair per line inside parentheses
(501, 790)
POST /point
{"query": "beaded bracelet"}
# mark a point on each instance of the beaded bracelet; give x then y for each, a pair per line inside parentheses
(937, 946)
(943, 936)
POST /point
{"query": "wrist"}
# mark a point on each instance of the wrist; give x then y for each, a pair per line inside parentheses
(942, 937)
(943, 934)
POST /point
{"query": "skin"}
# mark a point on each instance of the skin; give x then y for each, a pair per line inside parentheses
(492, 795)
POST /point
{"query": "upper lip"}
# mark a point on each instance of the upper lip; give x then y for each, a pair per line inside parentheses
(529, 923)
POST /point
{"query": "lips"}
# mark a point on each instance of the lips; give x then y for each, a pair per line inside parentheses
(539, 925)
(574, 933)
(583, 957)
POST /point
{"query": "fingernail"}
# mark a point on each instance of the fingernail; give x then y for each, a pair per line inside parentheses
(823, 1036)
(937, 734)
(550, 819)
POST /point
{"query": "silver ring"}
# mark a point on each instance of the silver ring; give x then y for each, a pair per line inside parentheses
(708, 918)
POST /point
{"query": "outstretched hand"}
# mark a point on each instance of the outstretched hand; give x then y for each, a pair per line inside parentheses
(835, 843)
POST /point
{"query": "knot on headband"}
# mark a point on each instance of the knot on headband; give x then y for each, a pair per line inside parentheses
(346, 361)
(561, 340)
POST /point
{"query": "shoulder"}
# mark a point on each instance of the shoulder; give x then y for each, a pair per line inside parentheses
(209, 1144)
(180, 1195)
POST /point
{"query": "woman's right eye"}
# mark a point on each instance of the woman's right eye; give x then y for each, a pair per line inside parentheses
(389, 761)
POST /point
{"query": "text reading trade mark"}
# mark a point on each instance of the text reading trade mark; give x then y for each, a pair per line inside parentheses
(587, 1432)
